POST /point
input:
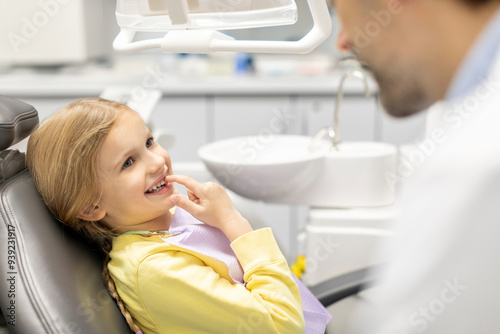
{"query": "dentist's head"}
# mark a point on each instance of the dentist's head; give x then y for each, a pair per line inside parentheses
(413, 48)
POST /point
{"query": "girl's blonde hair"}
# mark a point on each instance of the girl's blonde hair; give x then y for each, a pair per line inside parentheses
(62, 159)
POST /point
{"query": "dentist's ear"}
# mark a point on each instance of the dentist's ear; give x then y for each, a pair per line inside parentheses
(92, 214)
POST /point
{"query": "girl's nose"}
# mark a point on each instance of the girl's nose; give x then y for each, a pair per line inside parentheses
(156, 162)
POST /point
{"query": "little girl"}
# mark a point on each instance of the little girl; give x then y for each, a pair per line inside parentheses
(198, 269)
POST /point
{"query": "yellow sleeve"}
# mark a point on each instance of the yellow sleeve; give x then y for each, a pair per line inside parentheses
(183, 295)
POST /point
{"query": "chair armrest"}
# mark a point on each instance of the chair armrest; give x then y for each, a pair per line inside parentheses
(340, 287)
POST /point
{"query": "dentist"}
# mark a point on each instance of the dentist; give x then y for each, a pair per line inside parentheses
(444, 272)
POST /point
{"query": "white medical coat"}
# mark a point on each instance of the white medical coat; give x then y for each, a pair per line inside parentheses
(444, 272)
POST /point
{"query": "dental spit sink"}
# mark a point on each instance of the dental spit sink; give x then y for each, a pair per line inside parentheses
(289, 169)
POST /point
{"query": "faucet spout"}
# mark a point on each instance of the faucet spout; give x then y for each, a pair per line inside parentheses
(350, 74)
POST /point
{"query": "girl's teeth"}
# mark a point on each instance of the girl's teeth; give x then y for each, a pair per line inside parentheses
(156, 188)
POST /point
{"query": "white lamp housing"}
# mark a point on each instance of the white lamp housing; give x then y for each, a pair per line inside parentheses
(192, 26)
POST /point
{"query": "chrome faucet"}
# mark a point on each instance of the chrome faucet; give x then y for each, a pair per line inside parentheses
(334, 130)
(340, 95)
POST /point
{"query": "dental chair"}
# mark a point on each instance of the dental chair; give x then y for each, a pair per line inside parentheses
(51, 279)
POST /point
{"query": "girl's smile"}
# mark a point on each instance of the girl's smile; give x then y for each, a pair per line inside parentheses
(133, 168)
(160, 188)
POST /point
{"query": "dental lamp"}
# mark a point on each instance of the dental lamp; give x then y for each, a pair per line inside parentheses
(192, 26)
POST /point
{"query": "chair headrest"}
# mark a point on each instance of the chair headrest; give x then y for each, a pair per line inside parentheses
(54, 275)
(17, 121)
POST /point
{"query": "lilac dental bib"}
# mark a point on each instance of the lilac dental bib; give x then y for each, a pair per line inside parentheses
(189, 233)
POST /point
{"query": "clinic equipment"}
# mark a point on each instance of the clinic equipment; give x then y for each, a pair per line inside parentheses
(345, 184)
(193, 26)
(52, 280)
(52, 32)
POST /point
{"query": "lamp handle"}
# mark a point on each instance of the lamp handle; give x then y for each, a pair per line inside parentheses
(209, 41)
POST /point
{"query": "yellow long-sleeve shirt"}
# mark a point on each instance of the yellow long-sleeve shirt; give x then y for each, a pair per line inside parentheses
(169, 289)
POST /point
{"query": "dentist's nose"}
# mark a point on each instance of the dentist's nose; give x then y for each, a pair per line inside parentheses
(342, 43)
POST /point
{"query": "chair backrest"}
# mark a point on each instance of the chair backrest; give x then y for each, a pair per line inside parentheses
(51, 278)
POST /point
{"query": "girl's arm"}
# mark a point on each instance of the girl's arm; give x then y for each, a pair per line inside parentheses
(181, 294)
(270, 302)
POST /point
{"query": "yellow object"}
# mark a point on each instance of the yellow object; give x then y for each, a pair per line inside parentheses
(299, 267)
(169, 289)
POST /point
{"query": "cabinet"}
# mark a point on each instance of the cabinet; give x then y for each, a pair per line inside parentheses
(235, 116)
(357, 116)
(186, 120)
(46, 106)
(400, 131)
(195, 119)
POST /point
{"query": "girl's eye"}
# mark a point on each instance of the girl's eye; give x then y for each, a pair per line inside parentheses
(128, 163)
(149, 142)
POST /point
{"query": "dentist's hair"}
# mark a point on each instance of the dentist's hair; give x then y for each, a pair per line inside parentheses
(62, 159)
(478, 2)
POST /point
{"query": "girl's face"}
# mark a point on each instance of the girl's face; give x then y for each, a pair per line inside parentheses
(131, 163)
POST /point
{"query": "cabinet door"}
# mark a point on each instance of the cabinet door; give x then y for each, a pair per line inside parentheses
(184, 119)
(400, 131)
(357, 116)
(261, 116)
(236, 116)
(45, 106)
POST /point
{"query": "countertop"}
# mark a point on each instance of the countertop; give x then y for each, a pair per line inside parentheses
(176, 79)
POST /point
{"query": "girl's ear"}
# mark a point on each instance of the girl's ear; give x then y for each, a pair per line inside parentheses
(92, 214)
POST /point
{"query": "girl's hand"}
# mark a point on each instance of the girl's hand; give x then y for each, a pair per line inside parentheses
(210, 203)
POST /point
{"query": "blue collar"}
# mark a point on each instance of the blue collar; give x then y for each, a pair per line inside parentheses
(478, 62)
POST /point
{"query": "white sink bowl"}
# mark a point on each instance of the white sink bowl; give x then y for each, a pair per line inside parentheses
(265, 169)
(283, 169)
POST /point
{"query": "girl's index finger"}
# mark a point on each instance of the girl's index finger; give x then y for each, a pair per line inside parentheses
(186, 181)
